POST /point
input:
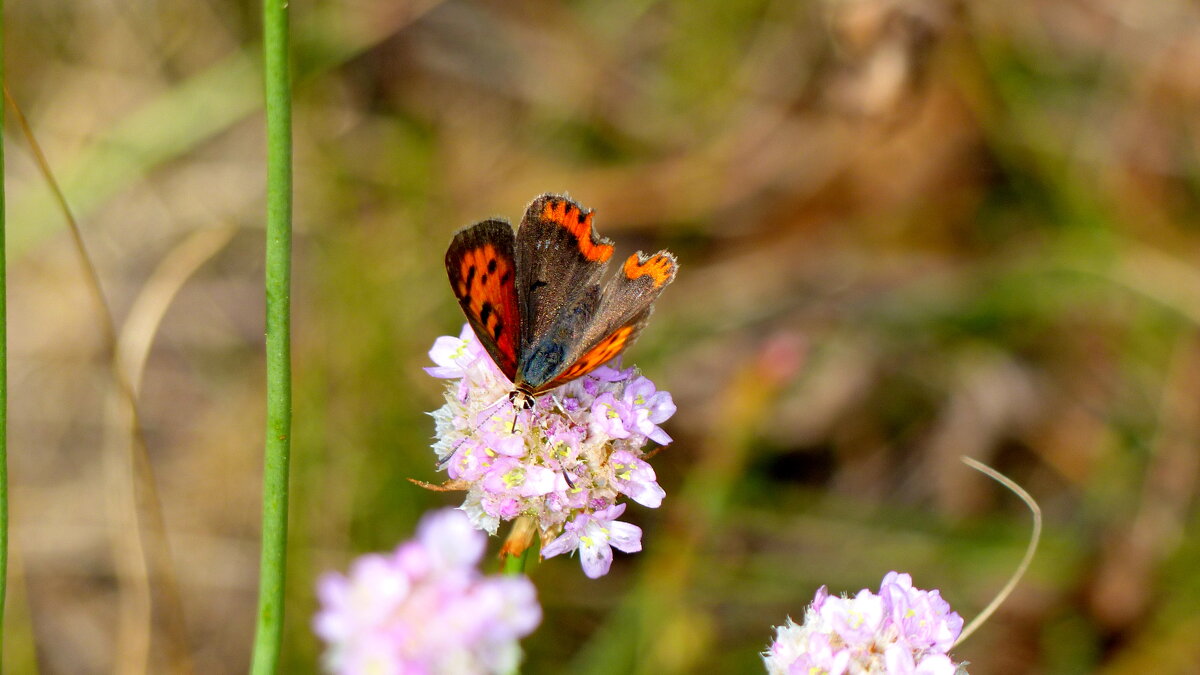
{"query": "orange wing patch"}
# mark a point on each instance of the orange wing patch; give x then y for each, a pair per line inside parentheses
(660, 267)
(595, 357)
(485, 289)
(579, 224)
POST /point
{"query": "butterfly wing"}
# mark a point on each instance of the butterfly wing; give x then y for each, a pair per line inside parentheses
(560, 258)
(621, 313)
(483, 275)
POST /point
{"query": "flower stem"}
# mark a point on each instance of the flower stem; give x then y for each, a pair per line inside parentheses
(515, 551)
(3, 364)
(269, 629)
(515, 564)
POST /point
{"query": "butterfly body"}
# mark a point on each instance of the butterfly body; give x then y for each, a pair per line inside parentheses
(535, 300)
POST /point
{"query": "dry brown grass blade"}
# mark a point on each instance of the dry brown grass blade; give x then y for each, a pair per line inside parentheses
(151, 528)
(151, 304)
(133, 348)
(131, 649)
(448, 486)
(1034, 538)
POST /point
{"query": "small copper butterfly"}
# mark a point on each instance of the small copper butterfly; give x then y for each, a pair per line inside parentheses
(534, 297)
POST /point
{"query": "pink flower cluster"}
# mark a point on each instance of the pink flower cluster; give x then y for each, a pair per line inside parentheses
(900, 631)
(425, 608)
(565, 462)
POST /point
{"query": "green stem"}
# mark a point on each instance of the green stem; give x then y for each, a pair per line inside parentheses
(515, 564)
(269, 631)
(3, 366)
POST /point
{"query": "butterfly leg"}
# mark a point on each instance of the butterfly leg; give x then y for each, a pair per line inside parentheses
(565, 474)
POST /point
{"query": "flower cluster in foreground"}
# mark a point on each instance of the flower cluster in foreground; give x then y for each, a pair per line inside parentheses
(900, 631)
(565, 462)
(425, 608)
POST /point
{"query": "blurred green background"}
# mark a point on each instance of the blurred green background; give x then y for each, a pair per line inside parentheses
(908, 230)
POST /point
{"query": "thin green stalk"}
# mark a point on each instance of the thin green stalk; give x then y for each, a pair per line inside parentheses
(515, 551)
(3, 367)
(269, 629)
(515, 564)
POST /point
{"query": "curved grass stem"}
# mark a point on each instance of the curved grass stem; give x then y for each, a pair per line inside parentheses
(1034, 538)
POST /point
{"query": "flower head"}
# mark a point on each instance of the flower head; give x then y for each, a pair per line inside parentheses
(901, 631)
(425, 608)
(566, 462)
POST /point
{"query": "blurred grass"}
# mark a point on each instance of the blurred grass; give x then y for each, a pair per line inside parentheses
(973, 223)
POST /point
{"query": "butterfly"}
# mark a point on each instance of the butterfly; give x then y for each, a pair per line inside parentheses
(535, 300)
